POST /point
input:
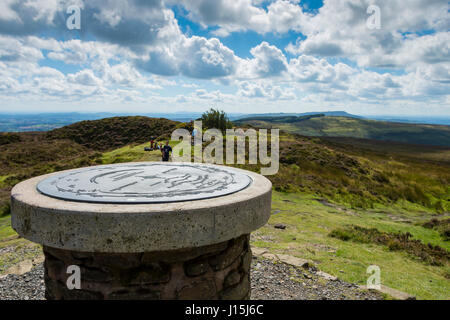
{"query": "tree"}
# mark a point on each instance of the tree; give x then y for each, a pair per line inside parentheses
(216, 119)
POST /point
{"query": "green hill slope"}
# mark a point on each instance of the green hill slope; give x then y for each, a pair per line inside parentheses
(324, 188)
(27, 154)
(326, 126)
(112, 133)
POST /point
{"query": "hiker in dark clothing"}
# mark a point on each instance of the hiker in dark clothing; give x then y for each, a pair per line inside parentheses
(165, 151)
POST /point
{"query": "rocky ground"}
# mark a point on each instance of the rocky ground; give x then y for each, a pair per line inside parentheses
(279, 281)
(269, 281)
(27, 286)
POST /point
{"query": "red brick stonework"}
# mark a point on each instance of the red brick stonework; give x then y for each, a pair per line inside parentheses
(219, 271)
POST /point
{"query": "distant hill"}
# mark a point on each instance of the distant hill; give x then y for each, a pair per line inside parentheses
(440, 120)
(24, 122)
(50, 121)
(333, 126)
(111, 133)
(282, 114)
(278, 119)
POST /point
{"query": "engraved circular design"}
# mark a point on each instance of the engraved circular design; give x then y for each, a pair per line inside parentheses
(142, 183)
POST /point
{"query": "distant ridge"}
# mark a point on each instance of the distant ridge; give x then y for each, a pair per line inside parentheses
(282, 114)
(21, 122)
(321, 125)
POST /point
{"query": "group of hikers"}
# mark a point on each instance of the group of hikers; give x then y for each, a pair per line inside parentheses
(165, 149)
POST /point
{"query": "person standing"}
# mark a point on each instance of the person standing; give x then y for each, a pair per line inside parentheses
(152, 142)
(194, 133)
(165, 151)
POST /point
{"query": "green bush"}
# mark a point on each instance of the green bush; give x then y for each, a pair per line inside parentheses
(394, 245)
(340, 234)
(5, 209)
(216, 119)
(433, 255)
(441, 226)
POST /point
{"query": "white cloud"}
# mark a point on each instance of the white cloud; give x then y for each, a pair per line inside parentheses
(310, 69)
(264, 90)
(137, 48)
(13, 50)
(206, 58)
(339, 29)
(7, 13)
(268, 61)
(194, 57)
(241, 15)
(84, 77)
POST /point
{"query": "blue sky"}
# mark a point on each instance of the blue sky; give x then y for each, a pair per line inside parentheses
(361, 56)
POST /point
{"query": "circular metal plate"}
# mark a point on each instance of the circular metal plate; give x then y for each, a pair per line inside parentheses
(151, 182)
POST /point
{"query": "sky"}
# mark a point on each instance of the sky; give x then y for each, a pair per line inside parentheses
(367, 57)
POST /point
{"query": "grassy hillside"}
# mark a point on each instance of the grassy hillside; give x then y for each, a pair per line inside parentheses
(311, 222)
(330, 193)
(364, 177)
(112, 133)
(28, 154)
(326, 126)
(381, 149)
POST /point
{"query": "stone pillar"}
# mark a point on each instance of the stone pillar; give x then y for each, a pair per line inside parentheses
(144, 230)
(220, 271)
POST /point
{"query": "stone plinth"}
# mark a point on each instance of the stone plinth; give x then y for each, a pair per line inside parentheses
(219, 271)
(158, 245)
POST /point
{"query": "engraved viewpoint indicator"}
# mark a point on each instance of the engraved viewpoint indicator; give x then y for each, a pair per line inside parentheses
(147, 182)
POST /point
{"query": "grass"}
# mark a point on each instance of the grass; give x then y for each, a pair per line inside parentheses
(330, 126)
(6, 232)
(309, 223)
(322, 185)
(442, 226)
(133, 153)
(129, 154)
(14, 249)
(395, 241)
(2, 179)
(362, 178)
